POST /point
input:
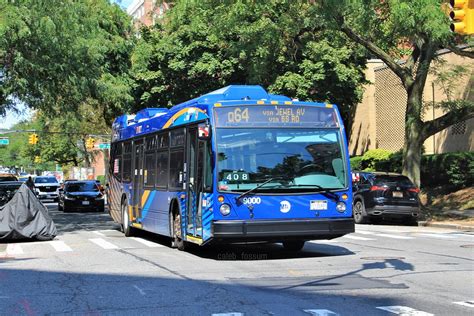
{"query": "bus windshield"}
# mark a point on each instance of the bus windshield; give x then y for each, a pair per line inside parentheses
(297, 159)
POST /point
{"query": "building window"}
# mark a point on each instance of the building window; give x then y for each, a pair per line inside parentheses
(459, 128)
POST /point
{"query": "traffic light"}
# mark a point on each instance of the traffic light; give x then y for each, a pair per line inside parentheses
(90, 143)
(33, 139)
(462, 14)
(37, 159)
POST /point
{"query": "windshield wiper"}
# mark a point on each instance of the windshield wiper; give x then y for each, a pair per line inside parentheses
(257, 187)
(325, 191)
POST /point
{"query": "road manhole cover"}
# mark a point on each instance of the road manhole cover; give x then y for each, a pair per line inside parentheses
(382, 258)
(467, 246)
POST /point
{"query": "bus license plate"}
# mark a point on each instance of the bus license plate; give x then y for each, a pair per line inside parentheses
(397, 194)
(319, 205)
(85, 202)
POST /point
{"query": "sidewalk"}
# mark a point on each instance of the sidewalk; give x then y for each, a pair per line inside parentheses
(461, 220)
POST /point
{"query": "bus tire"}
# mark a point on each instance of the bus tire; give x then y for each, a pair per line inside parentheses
(126, 228)
(359, 212)
(293, 245)
(178, 241)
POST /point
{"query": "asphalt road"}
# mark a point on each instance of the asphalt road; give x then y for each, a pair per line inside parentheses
(92, 269)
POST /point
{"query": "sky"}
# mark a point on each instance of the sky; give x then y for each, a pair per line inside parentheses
(12, 118)
(123, 3)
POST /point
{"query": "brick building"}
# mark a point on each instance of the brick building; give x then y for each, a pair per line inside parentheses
(147, 12)
(379, 120)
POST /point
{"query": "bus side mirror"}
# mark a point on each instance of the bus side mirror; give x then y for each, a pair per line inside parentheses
(204, 131)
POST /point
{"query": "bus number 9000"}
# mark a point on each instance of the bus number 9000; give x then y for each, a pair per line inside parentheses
(238, 115)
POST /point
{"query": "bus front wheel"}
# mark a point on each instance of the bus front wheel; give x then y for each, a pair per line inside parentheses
(178, 241)
(126, 228)
(294, 245)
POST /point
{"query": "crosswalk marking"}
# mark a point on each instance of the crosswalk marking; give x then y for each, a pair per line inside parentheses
(60, 245)
(404, 310)
(364, 232)
(228, 314)
(146, 242)
(357, 237)
(103, 243)
(466, 303)
(441, 236)
(98, 233)
(14, 249)
(393, 236)
(320, 312)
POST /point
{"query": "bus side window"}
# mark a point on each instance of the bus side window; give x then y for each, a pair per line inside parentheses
(127, 162)
(176, 168)
(162, 169)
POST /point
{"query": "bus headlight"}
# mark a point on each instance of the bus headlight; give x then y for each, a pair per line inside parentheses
(225, 209)
(341, 207)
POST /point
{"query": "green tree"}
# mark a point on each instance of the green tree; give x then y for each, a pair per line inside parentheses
(201, 46)
(55, 54)
(406, 35)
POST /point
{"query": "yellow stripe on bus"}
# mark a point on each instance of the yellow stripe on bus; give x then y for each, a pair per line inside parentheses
(196, 240)
(145, 197)
(176, 115)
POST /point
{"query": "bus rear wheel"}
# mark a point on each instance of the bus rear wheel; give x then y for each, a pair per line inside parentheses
(178, 241)
(126, 228)
(293, 245)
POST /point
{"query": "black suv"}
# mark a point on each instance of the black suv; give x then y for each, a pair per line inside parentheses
(380, 195)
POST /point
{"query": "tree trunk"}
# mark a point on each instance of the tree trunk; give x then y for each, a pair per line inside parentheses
(413, 138)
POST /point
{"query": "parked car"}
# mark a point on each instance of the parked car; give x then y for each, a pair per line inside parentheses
(47, 187)
(81, 195)
(4, 177)
(380, 195)
(9, 184)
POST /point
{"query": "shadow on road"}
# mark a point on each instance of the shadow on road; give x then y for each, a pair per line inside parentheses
(71, 222)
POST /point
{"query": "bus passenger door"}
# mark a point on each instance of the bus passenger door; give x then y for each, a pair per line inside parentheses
(193, 218)
(137, 179)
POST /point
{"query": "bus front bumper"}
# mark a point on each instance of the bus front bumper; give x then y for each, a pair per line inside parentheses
(281, 230)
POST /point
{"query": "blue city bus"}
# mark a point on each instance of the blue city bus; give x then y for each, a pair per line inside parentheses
(235, 165)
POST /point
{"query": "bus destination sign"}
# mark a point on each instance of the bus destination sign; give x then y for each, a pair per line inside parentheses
(276, 115)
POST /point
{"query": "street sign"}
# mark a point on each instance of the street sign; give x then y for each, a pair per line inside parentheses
(104, 146)
(4, 141)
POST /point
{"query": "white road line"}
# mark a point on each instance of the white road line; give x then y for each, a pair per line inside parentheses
(102, 243)
(357, 237)
(394, 236)
(14, 249)
(228, 314)
(364, 232)
(146, 242)
(98, 233)
(60, 245)
(404, 310)
(320, 312)
(466, 303)
(462, 235)
(441, 236)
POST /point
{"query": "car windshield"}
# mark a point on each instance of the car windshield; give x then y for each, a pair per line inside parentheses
(7, 178)
(46, 180)
(82, 187)
(392, 180)
(298, 159)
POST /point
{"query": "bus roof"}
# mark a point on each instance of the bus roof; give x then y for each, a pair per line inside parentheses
(151, 119)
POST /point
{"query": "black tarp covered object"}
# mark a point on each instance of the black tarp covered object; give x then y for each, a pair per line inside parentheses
(25, 217)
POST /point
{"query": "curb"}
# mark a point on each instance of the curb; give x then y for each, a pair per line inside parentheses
(446, 225)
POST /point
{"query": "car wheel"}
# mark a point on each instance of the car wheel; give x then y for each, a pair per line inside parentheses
(126, 228)
(358, 210)
(294, 245)
(178, 241)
